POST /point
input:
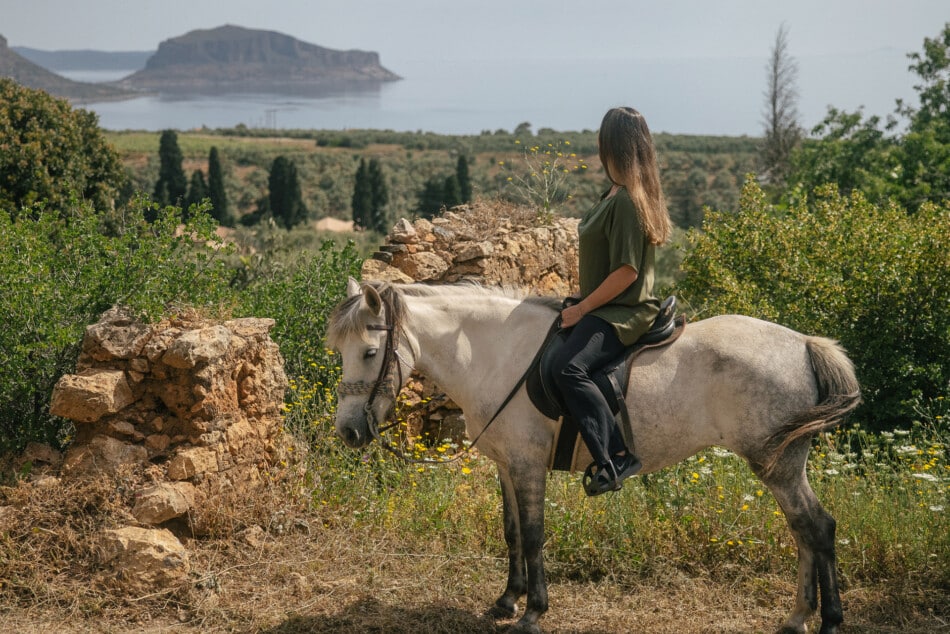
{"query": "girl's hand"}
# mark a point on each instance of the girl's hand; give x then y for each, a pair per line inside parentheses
(571, 315)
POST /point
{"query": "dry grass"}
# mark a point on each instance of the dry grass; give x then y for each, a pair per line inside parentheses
(317, 574)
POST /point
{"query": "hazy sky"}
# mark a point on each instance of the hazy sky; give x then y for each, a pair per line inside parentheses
(493, 29)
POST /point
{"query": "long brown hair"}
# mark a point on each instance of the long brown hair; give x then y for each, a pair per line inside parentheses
(629, 158)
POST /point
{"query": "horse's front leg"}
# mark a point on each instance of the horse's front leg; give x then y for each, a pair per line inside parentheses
(528, 481)
(507, 604)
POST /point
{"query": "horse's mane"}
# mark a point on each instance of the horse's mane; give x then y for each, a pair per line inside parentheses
(346, 320)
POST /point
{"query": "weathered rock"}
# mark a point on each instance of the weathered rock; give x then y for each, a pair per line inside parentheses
(115, 336)
(88, 396)
(377, 270)
(102, 454)
(403, 231)
(195, 347)
(141, 560)
(39, 453)
(470, 250)
(423, 266)
(192, 461)
(161, 502)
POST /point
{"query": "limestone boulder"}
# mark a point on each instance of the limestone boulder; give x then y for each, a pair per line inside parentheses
(162, 502)
(142, 560)
(88, 396)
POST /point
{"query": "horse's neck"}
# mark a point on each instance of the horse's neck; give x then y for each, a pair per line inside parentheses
(475, 349)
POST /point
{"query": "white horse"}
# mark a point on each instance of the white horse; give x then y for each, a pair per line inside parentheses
(756, 388)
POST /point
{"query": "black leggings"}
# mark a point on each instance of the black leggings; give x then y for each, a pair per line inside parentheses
(591, 344)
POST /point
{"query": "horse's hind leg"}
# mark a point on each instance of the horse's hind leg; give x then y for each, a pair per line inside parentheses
(506, 605)
(814, 531)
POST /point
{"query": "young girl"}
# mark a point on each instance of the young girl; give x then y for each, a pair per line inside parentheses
(617, 239)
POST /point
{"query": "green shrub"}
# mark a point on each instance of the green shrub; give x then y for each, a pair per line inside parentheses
(873, 277)
(59, 270)
(50, 152)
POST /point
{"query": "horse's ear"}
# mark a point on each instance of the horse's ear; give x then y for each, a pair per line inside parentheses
(352, 287)
(372, 300)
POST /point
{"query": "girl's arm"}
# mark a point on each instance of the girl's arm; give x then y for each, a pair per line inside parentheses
(613, 285)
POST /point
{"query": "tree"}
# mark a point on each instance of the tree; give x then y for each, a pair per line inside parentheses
(362, 201)
(782, 130)
(285, 200)
(451, 192)
(379, 197)
(431, 196)
(219, 199)
(52, 152)
(857, 153)
(465, 181)
(172, 185)
(197, 192)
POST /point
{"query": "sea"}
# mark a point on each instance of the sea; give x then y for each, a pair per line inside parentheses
(721, 97)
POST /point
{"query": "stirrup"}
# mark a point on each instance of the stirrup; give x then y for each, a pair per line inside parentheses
(607, 478)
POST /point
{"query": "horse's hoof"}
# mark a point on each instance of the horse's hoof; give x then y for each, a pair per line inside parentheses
(525, 628)
(829, 628)
(501, 612)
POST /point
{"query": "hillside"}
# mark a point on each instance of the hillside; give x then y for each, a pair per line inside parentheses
(32, 75)
(85, 59)
(231, 58)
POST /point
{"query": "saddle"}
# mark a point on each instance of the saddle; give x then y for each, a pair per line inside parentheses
(612, 381)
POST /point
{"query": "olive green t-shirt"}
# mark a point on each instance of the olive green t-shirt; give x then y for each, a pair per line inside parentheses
(611, 235)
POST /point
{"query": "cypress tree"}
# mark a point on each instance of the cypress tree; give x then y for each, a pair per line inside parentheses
(430, 198)
(451, 192)
(362, 202)
(197, 192)
(379, 194)
(172, 184)
(464, 180)
(219, 200)
(286, 201)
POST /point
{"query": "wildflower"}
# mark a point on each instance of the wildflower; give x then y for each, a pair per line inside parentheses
(466, 470)
(937, 508)
(929, 477)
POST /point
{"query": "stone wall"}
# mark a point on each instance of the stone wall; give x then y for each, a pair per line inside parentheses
(186, 412)
(490, 243)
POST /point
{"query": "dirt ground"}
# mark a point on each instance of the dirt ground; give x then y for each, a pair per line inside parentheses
(295, 584)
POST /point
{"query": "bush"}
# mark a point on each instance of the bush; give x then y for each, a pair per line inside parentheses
(59, 270)
(873, 277)
(50, 152)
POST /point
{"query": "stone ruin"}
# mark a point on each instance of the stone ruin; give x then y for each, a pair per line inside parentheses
(185, 410)
(485, 243)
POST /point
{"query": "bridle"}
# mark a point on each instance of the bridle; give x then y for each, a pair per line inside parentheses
(384, 383)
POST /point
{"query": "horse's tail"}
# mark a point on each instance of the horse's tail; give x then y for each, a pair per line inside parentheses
(838, 395)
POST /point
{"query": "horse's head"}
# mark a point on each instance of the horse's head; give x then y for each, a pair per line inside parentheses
(365, 330)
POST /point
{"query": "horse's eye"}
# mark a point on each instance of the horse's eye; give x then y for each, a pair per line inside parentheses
(369, 354)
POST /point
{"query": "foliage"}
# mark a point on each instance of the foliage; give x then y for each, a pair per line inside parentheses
(542, 179)
(782, 130)
(464, 179)
(51, 152)
(911, 167)
(216, 192)
(370, 197)
(871, 276)
(285, 200)
(59, 271)
(197, 190)
(171, 186)
(362, 197)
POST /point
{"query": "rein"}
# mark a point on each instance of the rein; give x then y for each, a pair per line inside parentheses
(384, 382)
